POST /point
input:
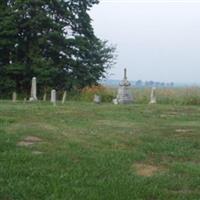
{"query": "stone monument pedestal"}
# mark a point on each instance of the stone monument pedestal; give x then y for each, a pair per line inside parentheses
(124, 95)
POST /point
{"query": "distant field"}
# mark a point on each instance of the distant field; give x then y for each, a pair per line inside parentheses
(173, 96)
(99, 152)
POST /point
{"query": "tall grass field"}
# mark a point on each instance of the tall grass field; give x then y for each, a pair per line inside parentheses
(173, 96)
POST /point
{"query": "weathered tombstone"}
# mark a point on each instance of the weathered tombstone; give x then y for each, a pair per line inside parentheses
(115, 101)
(14, 97)
(64, 97)
(45, 96)
(153, 96)
(24, 100)
(53, 97)
(97, 99)
(124, 95)
(33, 90)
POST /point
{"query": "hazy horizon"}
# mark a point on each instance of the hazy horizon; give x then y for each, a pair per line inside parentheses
(155, 41)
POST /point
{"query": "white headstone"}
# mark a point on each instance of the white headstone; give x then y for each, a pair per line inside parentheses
(64, 97)
(33, 90)
(97, 99)
(14, 97)
(53, 97)
(115, 101)
(153, 96)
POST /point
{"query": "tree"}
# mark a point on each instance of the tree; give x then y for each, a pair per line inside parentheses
(8, 34)
(52, 40)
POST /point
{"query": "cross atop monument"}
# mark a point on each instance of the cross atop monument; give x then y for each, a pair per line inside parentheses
(125, 74)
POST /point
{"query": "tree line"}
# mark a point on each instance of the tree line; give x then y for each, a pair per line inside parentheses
(140, 83)
(52, 40)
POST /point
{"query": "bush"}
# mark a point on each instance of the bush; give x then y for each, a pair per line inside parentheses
(87, 94)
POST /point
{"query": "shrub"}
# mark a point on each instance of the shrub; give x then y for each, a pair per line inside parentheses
(87, 94)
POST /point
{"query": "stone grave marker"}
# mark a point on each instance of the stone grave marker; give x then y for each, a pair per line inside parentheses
(53, 97)
(33, 90)
(153, 96)
(124, 95)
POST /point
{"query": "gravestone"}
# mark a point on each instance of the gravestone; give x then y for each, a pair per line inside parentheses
(153, 96)
(33, 90)
(45, 96)
(53, 97)
(24, 101)
(97, 99)
(115, 101)
(14, 97)
(124, 95)
(64, 97)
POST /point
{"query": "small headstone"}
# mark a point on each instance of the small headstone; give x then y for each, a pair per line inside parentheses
(53, 97)
(124, 95)
(45, 96)
(153, 96)
(97, 99)
(64, 97)
(33, 90)
(115, 101)
(24, 100)
(14, 97)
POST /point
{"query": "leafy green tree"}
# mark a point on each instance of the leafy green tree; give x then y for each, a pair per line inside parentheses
(8, 34)
(52, 40)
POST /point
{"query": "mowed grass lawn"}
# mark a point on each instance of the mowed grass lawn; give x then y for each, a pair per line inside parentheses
(99, 152)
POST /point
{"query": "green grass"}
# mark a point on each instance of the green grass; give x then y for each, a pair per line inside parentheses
(90, 152)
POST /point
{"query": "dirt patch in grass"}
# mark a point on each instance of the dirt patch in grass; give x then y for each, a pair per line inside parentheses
(33, 125)
(122, 146)
(147, 170)
(37, 152)
(167, 115)
(173, 113)
(185, 133)
(115, 123)
(29, 141)
(47, 127)
(183, 130)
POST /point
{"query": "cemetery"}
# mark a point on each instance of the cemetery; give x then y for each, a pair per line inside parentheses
(65, 149)
(65, 135)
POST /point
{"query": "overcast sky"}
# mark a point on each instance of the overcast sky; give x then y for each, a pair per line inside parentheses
(156, 39)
